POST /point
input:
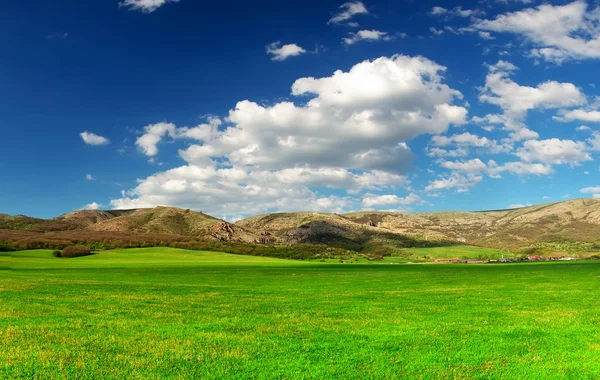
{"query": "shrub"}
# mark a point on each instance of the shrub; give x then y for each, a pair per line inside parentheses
(76, 251)
(57, 253)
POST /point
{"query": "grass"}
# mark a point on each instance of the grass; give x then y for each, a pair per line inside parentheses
(459, 251)
(163, 313)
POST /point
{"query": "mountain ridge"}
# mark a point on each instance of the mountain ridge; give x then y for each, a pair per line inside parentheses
(575, 221)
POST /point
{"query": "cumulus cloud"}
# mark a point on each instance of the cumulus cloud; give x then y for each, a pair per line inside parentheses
(516, 100)
(89, 177)
(347, 11)
(93, 139)
(349, 131)
(557, 32)
(458, 181)
(594, 142)
(466, 140)
(594, 191)
(366, 35)
(519, 168)
(154, 133)
(145, 6)
(455, 12)
(281, 53)
(371, 200)
(554, 151)
(92, 206)
(242, 191)
(591, 116)
(470, 166)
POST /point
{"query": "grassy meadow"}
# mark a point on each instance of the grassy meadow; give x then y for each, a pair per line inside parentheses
(459, 251)
(166, 313)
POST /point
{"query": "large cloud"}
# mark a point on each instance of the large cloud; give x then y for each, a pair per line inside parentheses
(559, 33)
(230, 192)
(348, 131)
(516, 100)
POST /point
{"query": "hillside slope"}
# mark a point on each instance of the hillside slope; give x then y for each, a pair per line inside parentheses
(331, 229)
(170, 220)
(566, 222)
(561, 225)
(575, 220)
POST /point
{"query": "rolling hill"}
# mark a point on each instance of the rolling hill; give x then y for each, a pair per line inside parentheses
(568, 225)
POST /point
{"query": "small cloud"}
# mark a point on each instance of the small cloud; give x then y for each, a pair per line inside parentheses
(94, 139)
(583, 128)
(57, 36)
(545, 197)
(437, 32)
(455, 12)
(90, 177)
(145, 6)
(92, 206)
(281, 53)
(519, 205)
(366, 35)
(486, 36)
(348, 10)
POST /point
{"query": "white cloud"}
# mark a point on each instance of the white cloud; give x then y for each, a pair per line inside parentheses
(366, 35)
(152, 136)
(594, 141)
(583, 128)
(438, 152)
(591, 116)
(462, 182)
(358, 119)
(554, 151)
(519, 205)
(371, 200)
(545, 197)
(471, 166)
(455, 12)
(89, 177)
(154, 133)
(467, 140)
(348, 10)
(146, 6)
(281, 53)
(92, 206)
(348, 132)
(595, 191)
(437, 32)
(519, 168)
(516, 100)
(238, 191)
(514, 1)
(93, 139)
(558, 33)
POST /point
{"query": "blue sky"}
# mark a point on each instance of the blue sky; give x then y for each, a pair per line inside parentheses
(240, 108)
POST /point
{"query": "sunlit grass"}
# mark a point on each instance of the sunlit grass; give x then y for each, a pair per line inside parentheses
(156, 313)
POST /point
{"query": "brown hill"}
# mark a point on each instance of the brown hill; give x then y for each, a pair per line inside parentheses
(562, 224)
(18, 222)
(565, 222)
(576, 220)
(332, 229)
(170, 220)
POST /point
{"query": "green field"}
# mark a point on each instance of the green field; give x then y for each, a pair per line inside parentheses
(459, 251)
(165, 313)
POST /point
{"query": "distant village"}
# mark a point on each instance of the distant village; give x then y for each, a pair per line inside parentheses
(531, 258)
